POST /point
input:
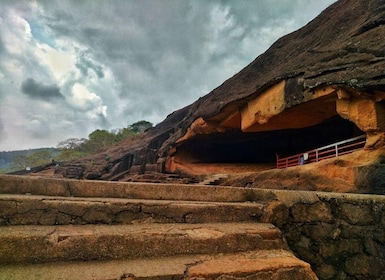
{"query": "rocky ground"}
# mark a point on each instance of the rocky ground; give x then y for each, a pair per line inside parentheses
(359, 172)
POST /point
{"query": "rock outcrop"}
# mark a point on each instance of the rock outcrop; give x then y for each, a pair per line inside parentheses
(318, 85)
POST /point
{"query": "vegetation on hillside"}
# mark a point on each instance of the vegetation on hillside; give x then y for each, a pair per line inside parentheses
(69, 149)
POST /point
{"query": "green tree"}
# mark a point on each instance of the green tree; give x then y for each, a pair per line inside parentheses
(71, 144)
(19, 162)
(121, 134)
(34, 159)
(69, 154)
(73, 148)
(140, 126)
(99, 139)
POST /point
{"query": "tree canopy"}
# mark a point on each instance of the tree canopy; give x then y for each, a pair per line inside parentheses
(37, 158)
(99, 139)
(73, 148)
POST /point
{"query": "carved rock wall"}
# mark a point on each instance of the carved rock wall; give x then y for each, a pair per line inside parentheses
(368, 114)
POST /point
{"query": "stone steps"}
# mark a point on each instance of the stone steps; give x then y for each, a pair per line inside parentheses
(72, 229)
(214, 179)
(53, 210)
(261, 264)
(84, 188)
(37, 244)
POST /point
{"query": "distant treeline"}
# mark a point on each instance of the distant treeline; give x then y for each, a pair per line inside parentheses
(7, 159)
(69, 149)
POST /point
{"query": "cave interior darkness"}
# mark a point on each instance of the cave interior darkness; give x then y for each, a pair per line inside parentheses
(235, 146)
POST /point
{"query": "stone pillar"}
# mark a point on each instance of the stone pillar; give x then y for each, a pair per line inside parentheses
(367, 114)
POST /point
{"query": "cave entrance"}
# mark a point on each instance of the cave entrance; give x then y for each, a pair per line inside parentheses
(235, 147)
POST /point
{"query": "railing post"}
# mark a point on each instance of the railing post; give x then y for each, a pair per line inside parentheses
(316, 155)
(277, 160)
(336, 147)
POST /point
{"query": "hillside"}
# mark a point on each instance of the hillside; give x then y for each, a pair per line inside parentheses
(8, 157)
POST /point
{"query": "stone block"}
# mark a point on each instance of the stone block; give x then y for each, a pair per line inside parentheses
(98, 214)
(334, 250)
(321, 231)
(325, 271)
(379, 236)
(357, 214)
(383, 219)
(373, 248)
(355, 231)
(8, 208)
(316, 212)
(64, 219)
(152, 167)
(276, 213)
(48, 217)
(309, 255)
(136, 169)
(27, 218)
(364, 266)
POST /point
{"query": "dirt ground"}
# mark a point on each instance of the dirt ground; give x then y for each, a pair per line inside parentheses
(342, 174)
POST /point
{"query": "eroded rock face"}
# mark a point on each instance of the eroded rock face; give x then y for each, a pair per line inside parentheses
(300, 94)
(367, 113)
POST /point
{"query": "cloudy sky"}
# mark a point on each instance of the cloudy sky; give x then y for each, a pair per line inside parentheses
(70, 67)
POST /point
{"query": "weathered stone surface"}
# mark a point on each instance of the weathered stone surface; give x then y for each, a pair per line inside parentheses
(36, 244)
(165, 268)
(87, 188)
(37, 210)
(248, 266)
(326, 272)
(371, 177)
(348, 246)
(340, 247)
(346, 243)
(317, 212)
(357, 214)
(321, 231)
(364, 266)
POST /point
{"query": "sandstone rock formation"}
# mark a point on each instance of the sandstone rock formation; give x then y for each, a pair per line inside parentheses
(318, 85)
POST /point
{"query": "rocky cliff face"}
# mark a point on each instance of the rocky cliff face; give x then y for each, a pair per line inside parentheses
(318, 85)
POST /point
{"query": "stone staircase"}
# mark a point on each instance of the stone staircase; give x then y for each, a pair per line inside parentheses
(213, 179)
(71, 229)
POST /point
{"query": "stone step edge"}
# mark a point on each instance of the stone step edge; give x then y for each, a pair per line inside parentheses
(37, 244)
(10, 184)
(18, 209)
(49, 198)
(177, 267)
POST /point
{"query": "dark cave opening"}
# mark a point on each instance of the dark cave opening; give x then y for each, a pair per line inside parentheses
(236, 146)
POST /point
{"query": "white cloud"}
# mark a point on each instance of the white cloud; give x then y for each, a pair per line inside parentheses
(16, 33)
(59, 62)
(85, 100)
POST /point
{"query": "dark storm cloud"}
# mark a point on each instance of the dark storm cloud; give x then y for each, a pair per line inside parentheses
(40, 91)
(118, 62)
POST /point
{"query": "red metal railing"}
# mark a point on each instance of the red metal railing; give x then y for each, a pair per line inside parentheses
(329, 151)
